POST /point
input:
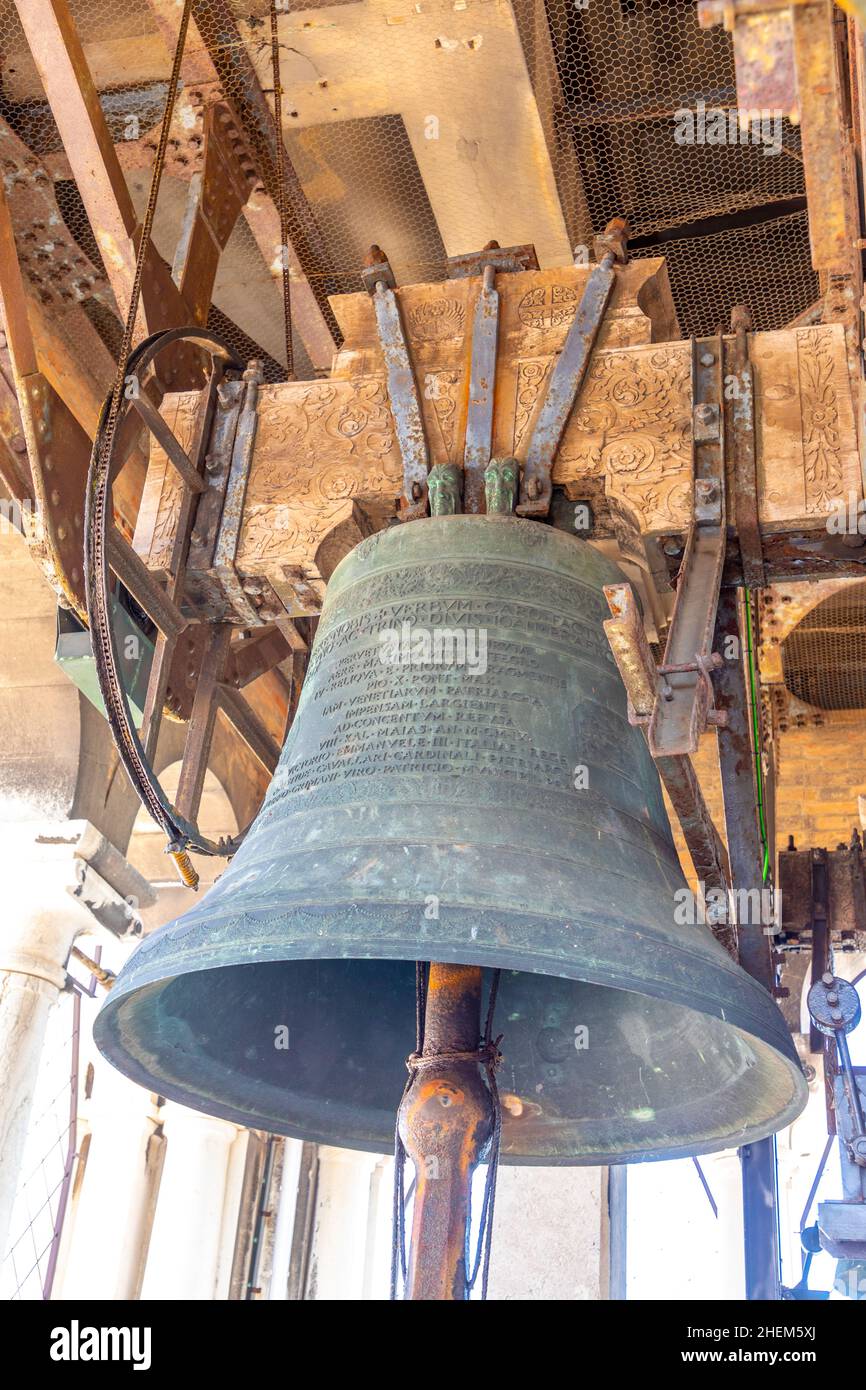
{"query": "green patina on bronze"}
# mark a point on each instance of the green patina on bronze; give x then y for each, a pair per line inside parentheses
(460, 784)
(444, 484)
(501, 478)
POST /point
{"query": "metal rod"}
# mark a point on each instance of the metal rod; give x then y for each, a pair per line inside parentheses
(617, 1207)
(760, 1220)
(849, 1081)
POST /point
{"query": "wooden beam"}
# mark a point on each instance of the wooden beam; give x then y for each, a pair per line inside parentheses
(58, 448)
(308, 320)
(74, 100)
(312, 316)
(626, 449)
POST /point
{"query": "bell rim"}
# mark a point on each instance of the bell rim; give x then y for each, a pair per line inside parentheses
(305, 921)
(598, 1158)
(773, 1037)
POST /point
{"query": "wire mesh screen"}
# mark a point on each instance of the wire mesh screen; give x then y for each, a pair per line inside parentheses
(27, 1267)
(382, 108)
(766, 266)
(636, 92)
(824, 657)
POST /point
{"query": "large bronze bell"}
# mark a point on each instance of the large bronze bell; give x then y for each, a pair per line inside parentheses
(460, 784)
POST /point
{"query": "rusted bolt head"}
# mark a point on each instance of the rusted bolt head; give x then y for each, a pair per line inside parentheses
(704, 411)
(707, 359)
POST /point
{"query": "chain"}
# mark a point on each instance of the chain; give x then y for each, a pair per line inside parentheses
(282, 204)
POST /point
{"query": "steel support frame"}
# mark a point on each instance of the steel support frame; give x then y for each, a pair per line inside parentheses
(737, 765)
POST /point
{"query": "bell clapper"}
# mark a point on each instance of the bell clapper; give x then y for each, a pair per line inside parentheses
(447, 1122)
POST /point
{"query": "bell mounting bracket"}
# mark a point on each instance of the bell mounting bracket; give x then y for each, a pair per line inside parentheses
(378, 278)
(569, 372)
(213, 472)
(674, 701)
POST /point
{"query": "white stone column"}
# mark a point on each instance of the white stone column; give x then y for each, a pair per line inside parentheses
(550, 1234)
(110, 1224)
(183, 1260)
(338, 1257)
(38, 925)
(284, 1228)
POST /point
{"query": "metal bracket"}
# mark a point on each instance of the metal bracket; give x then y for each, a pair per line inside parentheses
(225, 548)
(376, 270)
(566, 379)
(625, 633)
(482, 383)
(503, 259)
(402, 386)
(686, 705)
(842, 1223)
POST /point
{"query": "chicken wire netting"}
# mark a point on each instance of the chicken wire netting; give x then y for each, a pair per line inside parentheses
(366, 87)
(28, 1263)
(824, 656)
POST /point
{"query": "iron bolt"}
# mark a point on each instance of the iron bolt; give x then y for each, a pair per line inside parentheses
(828, 978)
(704, 412)
(533, 489)
(707, 359)
(705, 489)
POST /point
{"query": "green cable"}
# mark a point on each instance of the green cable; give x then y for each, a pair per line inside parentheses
(759, 775)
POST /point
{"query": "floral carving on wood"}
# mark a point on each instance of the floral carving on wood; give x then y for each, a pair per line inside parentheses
(548, 306)
(326, 444)
(532, 372)
(437, 319)
(440, 389)
(631, 424)
(822, 457)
